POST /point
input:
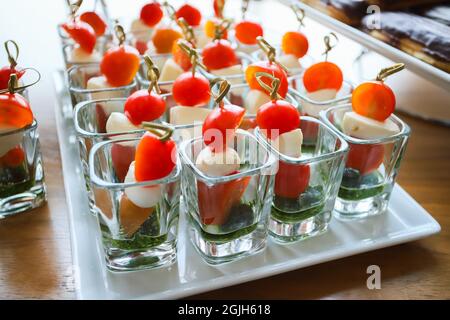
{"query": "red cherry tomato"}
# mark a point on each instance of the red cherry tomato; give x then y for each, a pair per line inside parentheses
(15, 111)
(154, 159)
(220, 125)
(95, 21)
(323, 75)
(218, 55)
(120, 64)
(277, 115)
(191, 91)
(247, 32)
(181, 57)
(121, 157)
(291, 180)
(151, 13)
(218, 8)
(5, 73)
(373, 99)
(295, 43)
(191, 14)
(82, 33)
(141, 46)
(215, 202)
(13, 158)
(270, 68)
(144, 106)
(365, 158)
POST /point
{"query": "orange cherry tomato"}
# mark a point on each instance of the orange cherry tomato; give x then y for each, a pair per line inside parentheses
(144, 106)
(181, 57)
(295, 43)
(151, 13)
(373, 99)
(191, 14)
(210, 28)
(365, 158)
(82, 33)
(155, 159)
(13, 158)
(5, 74)
(215, 202)
(15, 111)
(191, 90)
(278, 116)
(219, 54)
(221, 124)
(323, 75)
(247, 32)
(122, 156)
(270, 68)
(164, 39)
(291, 180)
(120, 65)
(95, 21)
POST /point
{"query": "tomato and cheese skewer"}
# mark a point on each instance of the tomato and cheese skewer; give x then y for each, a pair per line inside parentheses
(142, 28)
(6, 71)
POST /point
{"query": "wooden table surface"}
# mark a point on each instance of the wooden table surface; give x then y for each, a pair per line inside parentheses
(35, 255)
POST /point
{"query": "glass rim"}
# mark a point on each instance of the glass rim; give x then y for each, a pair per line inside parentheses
(75, 89)
(303, 97)
(343, 148)
(29, 127)
(99, 182)
(239, 54)
(222, 179)
(404, 128)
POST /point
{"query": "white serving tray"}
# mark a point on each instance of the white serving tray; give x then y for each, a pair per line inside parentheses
(421, 68)
(405, 221)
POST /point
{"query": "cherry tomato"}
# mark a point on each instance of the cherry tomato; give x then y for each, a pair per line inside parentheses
(181, 57)
(82, 33)
(373, 99)
(191, 14)
(218, 8)
(120, 64)
(144, 106)
(95, 21)
(247, 32)
(365, 158)
(210, 28)
(102, 117)
(15, 111)
(323, 75)
(154, 159)
(270, 68)
(13, 158)
(291, 180)
(295, 43)
(164, 38)
(221, 123)
(215, 202)
(5, 73)
(277, 115)
(151, 14)
(219, 54)
(122, 156)
(191, 91)
(141, 46)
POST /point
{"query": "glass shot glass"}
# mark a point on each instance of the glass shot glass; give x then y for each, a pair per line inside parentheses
(306, 188)
(22, 184)
(228, 215)
(138, 221)
(371, 168)
(78, 77)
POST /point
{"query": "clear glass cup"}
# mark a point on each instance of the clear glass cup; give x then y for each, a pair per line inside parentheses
(22, 184)
(306, 188)
(237, 96)
(228, 215)
(371, 169)
(99, 50)
(78, 77)
(136, 235)
(244, 60)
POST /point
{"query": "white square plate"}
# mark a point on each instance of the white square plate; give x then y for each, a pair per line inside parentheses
(405, 221)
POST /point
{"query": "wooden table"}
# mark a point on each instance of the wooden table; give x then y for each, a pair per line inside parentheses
(35, 256)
